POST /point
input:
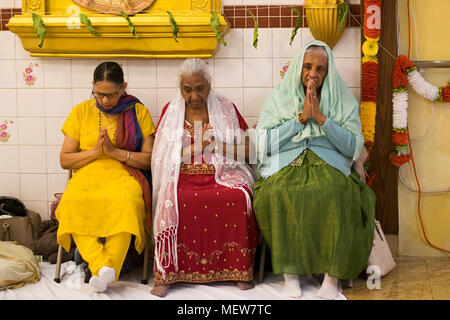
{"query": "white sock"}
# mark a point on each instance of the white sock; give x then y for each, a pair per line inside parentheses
(329, 289)
(291, 286)
(97, 284)
(107, 275)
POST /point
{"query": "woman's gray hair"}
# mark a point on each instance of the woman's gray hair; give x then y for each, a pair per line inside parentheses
(315, 47)
(192, 66)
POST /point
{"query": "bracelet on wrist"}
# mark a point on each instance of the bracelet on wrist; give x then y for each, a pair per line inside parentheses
(300, 118)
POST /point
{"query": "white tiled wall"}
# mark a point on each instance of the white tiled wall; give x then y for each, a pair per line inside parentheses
(57, 73)
(8, 99)
(7, 4)
(7, 49)
(8, 77)
(29, 160)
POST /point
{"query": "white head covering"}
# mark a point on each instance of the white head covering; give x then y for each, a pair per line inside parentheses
(166, 161)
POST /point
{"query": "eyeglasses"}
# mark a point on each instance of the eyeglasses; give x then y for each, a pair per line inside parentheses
(110, 96)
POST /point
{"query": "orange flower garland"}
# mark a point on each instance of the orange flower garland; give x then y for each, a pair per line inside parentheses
(369, 75)
(369, 81)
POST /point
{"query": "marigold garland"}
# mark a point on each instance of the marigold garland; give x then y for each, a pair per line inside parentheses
(372, 23)
(405, 72)
(367, 115)
(370, 47)
(369, 75)
(369, 81)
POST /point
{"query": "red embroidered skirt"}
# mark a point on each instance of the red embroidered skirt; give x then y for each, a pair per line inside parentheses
(217, 239)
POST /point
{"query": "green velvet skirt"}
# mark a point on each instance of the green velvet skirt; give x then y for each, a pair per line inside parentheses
(315, 219)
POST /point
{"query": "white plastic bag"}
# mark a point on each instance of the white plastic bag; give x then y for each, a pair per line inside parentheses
(381, 255)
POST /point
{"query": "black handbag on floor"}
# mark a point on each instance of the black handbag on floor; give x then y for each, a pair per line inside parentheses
(12, 206)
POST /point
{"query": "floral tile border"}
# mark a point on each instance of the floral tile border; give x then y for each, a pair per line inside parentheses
(5, 133)
(5, 15)
(28, 74)
(276, 16)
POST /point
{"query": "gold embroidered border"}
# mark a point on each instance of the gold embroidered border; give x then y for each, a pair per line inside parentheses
(197, 168)
(192, 132)
(227, 245)
(211, 276)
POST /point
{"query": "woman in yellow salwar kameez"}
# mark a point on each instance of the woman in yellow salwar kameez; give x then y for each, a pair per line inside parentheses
(108, 145)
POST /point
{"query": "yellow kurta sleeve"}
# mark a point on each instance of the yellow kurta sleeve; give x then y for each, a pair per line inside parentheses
(72, 125)
(145, 120)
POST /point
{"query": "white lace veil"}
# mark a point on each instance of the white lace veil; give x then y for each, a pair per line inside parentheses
(166, 160)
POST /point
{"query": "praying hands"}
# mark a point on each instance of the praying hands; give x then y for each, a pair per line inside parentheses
(311, 105)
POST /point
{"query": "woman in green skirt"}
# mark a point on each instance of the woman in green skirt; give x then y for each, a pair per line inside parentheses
(314, 212)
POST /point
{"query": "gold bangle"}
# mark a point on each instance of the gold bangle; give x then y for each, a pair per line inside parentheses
(128, 156)
(300, 118)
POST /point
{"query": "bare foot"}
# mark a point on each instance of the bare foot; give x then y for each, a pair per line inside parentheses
(245, 285)
(160, 291)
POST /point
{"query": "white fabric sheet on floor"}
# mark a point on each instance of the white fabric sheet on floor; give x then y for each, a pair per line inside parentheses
(72, 287)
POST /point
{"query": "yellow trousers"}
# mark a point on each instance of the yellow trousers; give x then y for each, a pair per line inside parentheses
(112, 254)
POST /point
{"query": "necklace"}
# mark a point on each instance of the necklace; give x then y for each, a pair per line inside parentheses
(109, 125)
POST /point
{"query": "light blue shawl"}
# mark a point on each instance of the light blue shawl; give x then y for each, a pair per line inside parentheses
(285, 102)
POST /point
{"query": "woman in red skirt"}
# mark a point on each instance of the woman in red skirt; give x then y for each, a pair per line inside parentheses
(204, 227)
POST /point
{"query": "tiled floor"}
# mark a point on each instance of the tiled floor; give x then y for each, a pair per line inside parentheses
(414, 278)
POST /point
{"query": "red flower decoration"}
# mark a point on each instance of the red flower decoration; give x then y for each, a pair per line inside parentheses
(369, 81)
(400, 138)
(446, 94)
(369, 145)
(399, 160)
(399, 78)
(404, 63)
(371, 179)
(373, 32)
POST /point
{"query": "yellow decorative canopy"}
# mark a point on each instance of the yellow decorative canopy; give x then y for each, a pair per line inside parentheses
(67, 37)
(130, 7)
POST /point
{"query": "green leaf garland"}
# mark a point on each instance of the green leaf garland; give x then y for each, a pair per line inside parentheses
(130, 24)
(85, 20)
(297, 25)
(38, 25)
(174, 26)
(255, 30)
(214, 22)
(342, 15)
